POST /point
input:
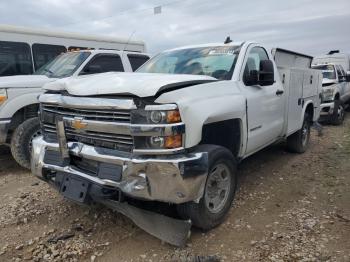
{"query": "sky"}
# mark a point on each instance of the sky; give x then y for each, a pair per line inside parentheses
(311, 27)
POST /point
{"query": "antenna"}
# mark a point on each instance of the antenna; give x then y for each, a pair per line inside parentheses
(228, 40)
(127, 43)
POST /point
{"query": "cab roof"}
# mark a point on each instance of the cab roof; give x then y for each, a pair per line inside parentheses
(206, 45)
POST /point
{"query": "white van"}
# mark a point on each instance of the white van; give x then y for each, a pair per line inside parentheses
(24, 50)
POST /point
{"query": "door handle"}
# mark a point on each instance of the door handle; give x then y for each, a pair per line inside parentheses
(279, 92)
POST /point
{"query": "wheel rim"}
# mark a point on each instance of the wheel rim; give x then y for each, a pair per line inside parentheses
(36, 134)
(305, 133)
(217, 188)
(340, 112)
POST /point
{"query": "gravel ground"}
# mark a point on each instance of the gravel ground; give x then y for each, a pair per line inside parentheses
(289, 207)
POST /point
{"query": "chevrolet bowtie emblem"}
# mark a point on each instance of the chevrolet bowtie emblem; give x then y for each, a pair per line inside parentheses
(78, 123)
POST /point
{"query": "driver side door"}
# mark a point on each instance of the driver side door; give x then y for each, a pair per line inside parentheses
(265, 104)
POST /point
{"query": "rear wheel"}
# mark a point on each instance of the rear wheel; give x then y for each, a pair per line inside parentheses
(21, 141)
(338, 115)
(219, 191)
(299, 141)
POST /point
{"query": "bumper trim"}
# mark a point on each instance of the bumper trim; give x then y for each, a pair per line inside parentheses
(175, 179)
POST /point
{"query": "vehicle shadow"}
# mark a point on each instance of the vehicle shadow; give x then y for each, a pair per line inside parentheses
(7, 163)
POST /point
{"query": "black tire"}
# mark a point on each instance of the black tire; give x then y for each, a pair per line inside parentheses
(201, 215)
(21, 141)
(337, 118)
(299, 141)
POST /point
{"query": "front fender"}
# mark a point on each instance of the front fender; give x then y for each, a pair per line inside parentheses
(206, 103)
(17, 99)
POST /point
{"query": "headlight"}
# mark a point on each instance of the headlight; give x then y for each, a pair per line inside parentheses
(327, 94)
(157, 127)
(156, 114)
(3, 96)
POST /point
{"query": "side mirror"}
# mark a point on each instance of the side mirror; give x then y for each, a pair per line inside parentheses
(264, 77)
(266, 73)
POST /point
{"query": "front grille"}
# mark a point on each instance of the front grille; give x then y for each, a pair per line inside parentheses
(120, 142)
(88, 114)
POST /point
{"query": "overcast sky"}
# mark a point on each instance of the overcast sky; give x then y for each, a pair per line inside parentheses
(308, 26)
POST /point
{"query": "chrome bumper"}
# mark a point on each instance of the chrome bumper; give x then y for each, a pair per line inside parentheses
(327, 109)
(176, 178)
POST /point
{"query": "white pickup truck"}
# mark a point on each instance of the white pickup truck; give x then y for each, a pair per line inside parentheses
(18, 94)
(335, 92)
(174, 131)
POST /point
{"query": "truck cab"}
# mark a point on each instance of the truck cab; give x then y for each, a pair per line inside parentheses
(335, 92)
(18, 94)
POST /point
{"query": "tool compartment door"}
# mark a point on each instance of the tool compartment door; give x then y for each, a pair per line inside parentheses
(295, 103)
(310, 84)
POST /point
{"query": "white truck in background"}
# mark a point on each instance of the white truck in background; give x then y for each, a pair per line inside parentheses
(174, 131)
(335, 92)
(23, 50)
(18, 94)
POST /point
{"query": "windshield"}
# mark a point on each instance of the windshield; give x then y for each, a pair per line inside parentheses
(327, 71)
(216, 61)
(63, 65)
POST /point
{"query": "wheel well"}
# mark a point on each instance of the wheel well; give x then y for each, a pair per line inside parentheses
(224, 133)
(337, 96)
(310, 111)
(21, 115)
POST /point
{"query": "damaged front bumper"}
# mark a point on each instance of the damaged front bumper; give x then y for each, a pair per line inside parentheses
(174, 179)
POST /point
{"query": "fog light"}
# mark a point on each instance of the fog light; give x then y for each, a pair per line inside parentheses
(157, 142)
(173, 141)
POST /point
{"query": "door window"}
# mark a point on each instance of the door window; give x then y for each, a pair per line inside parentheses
(15, 59)
(137, 60)
(341, 76)
(104, 63)
(43, 53)
(256, 55)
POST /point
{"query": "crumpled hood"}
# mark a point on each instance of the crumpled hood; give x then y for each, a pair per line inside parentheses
(24, 81)
(139, 84)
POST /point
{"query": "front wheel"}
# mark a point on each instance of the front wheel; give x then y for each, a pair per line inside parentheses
(219, 190)
(21, 141)
(338, 115)
(299, 141)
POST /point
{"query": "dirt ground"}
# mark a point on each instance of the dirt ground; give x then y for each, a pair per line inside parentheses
(289, 207)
